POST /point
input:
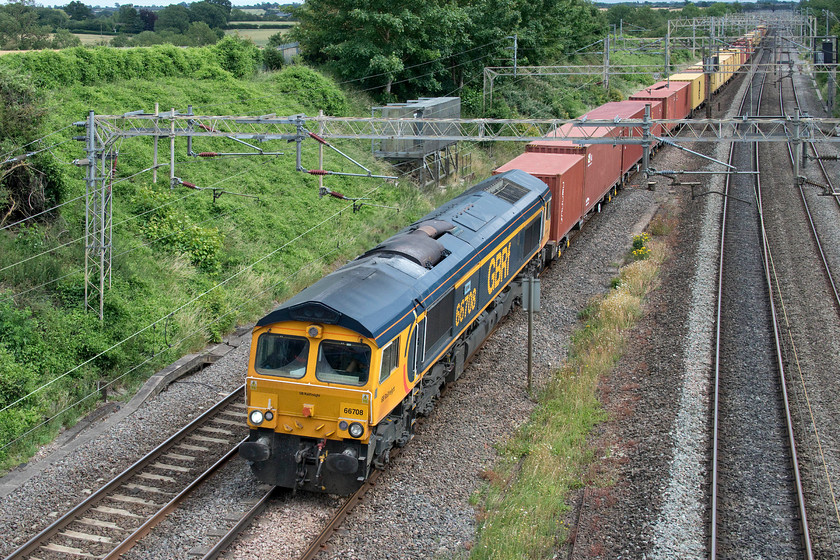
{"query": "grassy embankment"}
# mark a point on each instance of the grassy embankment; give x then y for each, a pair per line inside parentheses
(523, 504)
(186, 268)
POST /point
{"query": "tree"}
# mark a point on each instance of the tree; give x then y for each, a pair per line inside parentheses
(225, 5)
(78, 11)
(239, 15)
(175, 18)
(29, 186)
(148, 19)
(387, 41)
(424, 47)
(200, 34)
(52, 18)
(129, 20)
(690, 10)
(272, 57)
(19, 28)
(211, 14)
(63, 39)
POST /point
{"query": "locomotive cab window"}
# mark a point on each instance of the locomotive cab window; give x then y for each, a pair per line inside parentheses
(347, 363)
(390, 360)
(281, 355)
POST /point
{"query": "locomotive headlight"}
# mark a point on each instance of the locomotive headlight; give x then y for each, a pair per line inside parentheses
(256, 417)
(356, 430)
(269, 416)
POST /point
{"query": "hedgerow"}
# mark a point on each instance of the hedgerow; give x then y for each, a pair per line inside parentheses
(89, 66)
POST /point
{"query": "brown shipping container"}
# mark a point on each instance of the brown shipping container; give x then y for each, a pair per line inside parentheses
(631, 154)
(602, 161)
(563, 173)
(675, 97)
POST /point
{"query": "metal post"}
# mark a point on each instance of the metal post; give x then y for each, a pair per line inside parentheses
(102, 240)
(531, 305)
(797, 147)
(155, 157)
(98, 224)
(668, 51)
(298, 142)
(320, 151)
(607, 62)
(530, 338)
(707, 78)
(189, 138)
(90, 190)
(646, 135)
(515, 52)
(172, 149)
(693, 38)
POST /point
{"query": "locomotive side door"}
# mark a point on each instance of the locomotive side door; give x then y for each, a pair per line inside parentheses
(417, 343)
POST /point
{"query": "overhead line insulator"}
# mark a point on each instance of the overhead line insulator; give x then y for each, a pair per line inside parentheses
(318, 138)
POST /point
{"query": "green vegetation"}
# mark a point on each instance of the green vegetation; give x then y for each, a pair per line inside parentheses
(24, 25)
(186, 268)
(525, 499)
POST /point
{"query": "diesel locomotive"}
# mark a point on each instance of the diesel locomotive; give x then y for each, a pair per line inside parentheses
(339, 373)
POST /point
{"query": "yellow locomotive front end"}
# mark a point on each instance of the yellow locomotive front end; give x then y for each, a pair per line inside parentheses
(309, 406)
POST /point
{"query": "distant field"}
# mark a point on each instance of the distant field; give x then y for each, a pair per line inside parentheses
(258, 36)
(253, 11)
(88, 39)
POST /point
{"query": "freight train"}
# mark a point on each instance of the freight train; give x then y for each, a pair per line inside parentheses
(339, 373)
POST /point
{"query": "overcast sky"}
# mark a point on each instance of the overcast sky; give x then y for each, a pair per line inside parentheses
(146, 3)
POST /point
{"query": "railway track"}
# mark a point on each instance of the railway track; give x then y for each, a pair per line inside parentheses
(123, 511)
(755, 510)
(831, 188)
(805, 275)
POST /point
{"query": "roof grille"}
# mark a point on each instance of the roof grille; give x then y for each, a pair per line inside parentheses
(506, 190)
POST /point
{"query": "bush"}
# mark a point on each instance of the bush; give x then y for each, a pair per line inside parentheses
(312, 90)
(238, 56)
(640, 249)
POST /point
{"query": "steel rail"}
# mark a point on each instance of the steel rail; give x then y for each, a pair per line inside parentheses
(65, 520)
(816, 235)
(718, 321)
(150, 523)
(240, 525)
(319, 543)
(766, 253)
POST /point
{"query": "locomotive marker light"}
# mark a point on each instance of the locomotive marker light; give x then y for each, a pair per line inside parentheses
(356, 430)
(531, 304)
(256, 417)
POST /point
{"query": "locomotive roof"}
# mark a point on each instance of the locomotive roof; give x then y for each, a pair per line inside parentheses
(377, 293)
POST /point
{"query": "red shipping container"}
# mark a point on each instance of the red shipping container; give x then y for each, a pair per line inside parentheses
(631, 154)
(563, 173)
(602, 161)
(675, 97)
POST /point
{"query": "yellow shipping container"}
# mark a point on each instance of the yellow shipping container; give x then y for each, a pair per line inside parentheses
(698, 86)
(728, 65)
